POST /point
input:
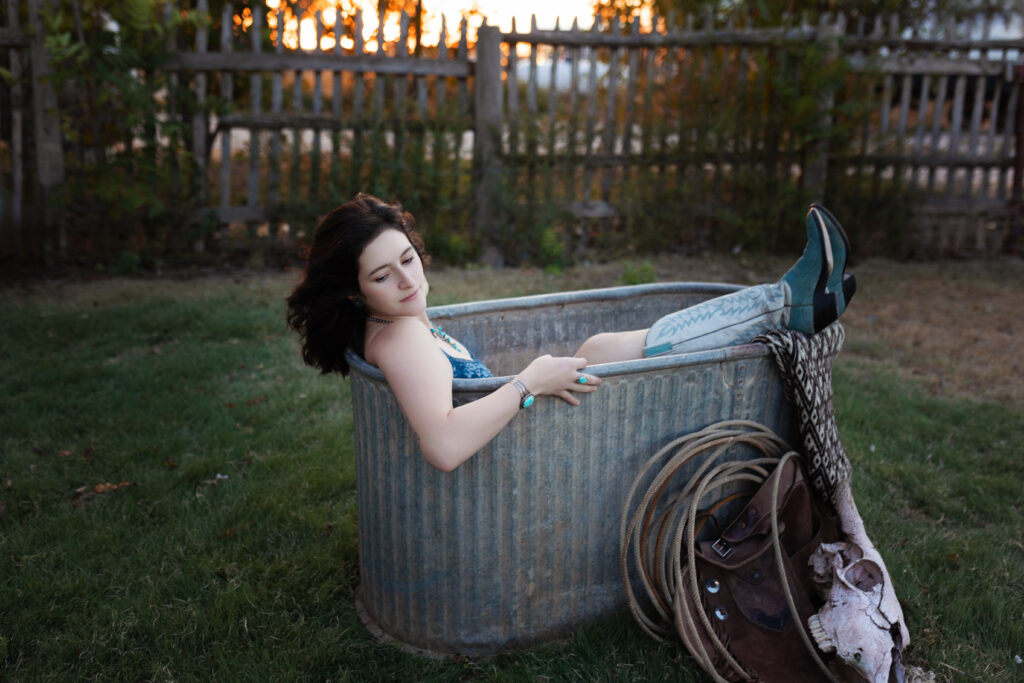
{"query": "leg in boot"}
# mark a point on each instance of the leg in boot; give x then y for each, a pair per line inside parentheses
(727, 320)
(809, 297)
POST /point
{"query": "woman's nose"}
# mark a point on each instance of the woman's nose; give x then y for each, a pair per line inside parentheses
(407, 279)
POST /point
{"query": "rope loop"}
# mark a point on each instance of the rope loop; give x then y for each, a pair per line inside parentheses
(661, 525)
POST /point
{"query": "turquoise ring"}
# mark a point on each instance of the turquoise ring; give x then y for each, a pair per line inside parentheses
(582, 379)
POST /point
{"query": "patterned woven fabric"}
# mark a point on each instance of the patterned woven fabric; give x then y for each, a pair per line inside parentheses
(471, 368)
(806, 365)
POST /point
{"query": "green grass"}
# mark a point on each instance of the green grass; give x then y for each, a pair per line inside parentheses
(231, 552)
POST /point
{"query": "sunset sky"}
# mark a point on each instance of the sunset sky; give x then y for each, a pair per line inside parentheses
(498, 12)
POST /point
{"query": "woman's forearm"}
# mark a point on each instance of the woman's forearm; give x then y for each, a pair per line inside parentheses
(468, 428)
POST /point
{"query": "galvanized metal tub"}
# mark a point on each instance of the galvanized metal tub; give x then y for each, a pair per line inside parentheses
(520, 543)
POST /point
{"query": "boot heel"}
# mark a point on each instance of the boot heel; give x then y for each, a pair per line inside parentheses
(826, 310)
(849, 287)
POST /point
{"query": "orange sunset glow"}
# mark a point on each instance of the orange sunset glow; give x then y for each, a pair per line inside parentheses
(302, 32)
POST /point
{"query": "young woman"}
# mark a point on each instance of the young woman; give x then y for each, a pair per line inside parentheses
(365, 288)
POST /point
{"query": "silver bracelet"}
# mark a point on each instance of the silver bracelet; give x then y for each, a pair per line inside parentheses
(525, 397)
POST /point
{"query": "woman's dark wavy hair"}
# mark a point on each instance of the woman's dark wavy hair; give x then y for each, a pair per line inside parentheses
(320, 308)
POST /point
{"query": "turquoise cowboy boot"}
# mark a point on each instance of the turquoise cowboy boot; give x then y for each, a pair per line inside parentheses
(726, 320)
(811, 306)
(801, 300)
(840, 283)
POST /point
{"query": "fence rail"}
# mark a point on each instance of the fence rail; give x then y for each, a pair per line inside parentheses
(618, 135)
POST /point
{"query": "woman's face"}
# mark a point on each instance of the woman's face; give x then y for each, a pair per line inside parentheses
(391, 276)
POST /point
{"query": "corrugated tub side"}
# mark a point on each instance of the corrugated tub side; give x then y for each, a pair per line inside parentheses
(520, 543)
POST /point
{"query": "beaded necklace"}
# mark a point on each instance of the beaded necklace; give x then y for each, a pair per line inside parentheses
(436, 331)
(443, 336)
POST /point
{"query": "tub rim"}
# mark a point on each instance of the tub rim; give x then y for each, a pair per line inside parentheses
(488, 384)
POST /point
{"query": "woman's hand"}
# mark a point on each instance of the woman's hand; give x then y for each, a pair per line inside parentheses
(557, 376)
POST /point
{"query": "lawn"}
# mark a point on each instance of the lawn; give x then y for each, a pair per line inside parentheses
(177, 494)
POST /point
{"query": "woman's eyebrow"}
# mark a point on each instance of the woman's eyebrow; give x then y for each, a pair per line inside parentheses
(402, 256)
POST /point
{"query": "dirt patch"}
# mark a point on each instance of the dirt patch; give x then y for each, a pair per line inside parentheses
(955, 327)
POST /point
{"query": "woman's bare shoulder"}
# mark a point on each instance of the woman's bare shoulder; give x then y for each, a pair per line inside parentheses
(404, 338)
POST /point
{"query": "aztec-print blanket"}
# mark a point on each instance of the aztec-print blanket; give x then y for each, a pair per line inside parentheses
(806, 365)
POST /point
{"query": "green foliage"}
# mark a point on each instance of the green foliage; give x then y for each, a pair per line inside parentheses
(638, 273)
(451, 248)
(551, 251)
(126, 263)
(126, 184)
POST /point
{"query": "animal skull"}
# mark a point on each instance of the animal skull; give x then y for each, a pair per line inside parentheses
(861, 620)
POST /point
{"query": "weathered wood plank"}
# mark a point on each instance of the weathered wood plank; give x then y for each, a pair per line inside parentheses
(315, 152)
(200, 124)
(532, 130)
(1009, 138)
(401, 114)
(227, 93)
(276, 106)
(766, 36)
(358, 107)
(319, 61)
(337, 113)
(487, 137)
(256, 104)
(959, 93)
(591, 123)
(610, 113)
(295, 185)
(379, 85)
(512, 78)
(937, 115)
(552, 132)
(932, 66)
(439, 138)
(10, 36)
(11, 232)
(574, 104)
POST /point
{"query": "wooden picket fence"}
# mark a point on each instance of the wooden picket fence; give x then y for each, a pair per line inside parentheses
(543, 143)
(31, 155)
(936, 126)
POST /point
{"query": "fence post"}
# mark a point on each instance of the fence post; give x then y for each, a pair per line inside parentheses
(816, 170)
(49, 153)
(487, 138)
(1017, 193)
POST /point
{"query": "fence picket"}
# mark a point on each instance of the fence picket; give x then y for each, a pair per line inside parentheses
(199, 119)
(295, 167)
(572, 144)
(441, 115)
(461, 56)
(11, 231)
(357, 105)
(256, 97)
(588, 158)
(316, 149)
(513, 94)
(276, 135)
(334, 183)
(552, 136)
(226, 94)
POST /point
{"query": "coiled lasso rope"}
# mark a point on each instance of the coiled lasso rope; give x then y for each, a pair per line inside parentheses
(657, 534)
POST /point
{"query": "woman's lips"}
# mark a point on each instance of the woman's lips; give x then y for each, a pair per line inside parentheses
(411, 296)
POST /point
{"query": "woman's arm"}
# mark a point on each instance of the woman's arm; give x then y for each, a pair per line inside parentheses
(421, 377)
